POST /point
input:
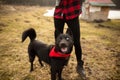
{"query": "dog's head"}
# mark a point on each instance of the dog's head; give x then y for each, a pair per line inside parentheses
(64, 42)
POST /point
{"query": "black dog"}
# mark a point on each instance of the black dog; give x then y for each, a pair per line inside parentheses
(55, 55)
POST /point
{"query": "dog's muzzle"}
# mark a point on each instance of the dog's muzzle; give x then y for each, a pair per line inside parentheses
(63, 47)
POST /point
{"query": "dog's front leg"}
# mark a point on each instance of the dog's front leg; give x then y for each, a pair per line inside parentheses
(53, 74)
(60, 74)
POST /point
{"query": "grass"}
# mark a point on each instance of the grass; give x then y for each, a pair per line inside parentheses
(100, 45)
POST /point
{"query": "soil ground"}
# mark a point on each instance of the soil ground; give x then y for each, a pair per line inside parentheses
(100, 44)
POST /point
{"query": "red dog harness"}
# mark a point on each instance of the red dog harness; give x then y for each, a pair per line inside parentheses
(57, 54)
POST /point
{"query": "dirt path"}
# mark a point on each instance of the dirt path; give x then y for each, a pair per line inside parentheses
(100, 44)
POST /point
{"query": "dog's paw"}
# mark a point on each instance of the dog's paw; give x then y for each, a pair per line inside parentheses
(31, 70)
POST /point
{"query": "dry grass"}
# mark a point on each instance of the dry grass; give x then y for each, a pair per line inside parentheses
(100, 45)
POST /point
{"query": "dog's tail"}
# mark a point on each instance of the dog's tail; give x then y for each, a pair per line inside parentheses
(29, 33)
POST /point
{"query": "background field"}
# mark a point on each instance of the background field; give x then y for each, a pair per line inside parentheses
(100, 44)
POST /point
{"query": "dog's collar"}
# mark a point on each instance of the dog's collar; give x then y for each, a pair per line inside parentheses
(57, 54)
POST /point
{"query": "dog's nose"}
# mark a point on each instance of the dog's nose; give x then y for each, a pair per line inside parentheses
(63, 45)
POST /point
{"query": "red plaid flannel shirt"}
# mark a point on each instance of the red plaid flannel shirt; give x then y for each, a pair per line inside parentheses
(69, 8)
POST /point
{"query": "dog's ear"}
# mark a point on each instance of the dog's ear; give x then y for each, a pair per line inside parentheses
(69, 32)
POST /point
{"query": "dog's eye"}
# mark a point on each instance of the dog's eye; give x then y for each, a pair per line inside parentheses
(67, 38)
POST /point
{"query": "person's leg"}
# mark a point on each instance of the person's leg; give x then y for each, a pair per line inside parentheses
(59, 25)
(75, 28)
